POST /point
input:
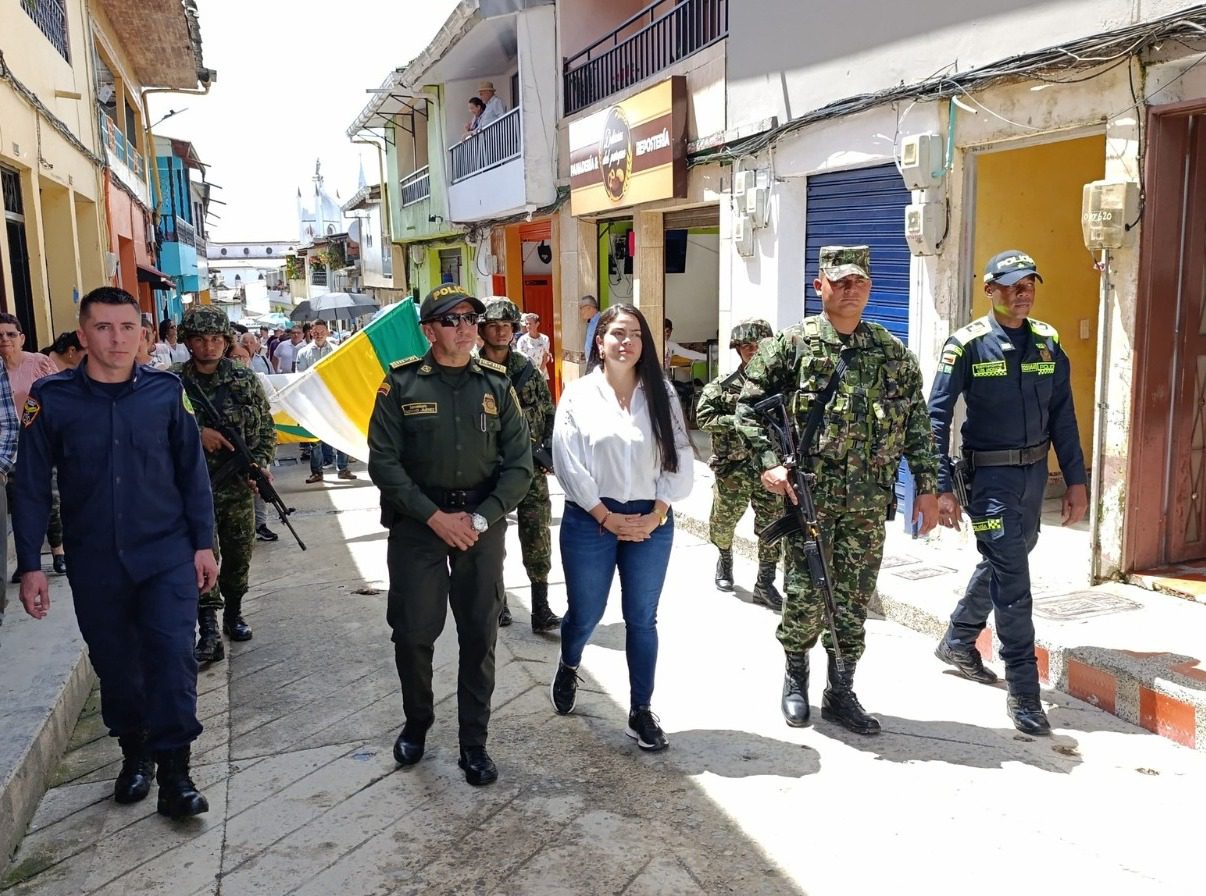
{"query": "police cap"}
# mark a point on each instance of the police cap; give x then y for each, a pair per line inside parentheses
(444, 298)
(1010, 266)
(750, 331)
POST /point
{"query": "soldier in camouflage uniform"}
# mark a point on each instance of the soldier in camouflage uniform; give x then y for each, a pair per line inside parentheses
(238, 396)
(737, 484)
(497, 328)
(877, 414)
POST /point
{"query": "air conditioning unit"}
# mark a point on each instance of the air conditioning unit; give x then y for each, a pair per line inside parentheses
(743, 235)
(744, 181)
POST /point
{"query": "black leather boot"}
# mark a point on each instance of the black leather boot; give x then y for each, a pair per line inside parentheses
(137, 769)
(543, 617)
(765, 592)
(178, 796)
(796, 711)
(209, 647)
(232, 621)
(839, 703)
(724, 570)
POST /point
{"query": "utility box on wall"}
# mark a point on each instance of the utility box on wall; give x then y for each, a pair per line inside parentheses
(1107, 209)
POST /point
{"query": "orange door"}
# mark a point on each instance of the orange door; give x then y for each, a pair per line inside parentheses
(538, 297)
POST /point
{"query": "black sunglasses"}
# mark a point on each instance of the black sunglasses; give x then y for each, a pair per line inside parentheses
(451, 320)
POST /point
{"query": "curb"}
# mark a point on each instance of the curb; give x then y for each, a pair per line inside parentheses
(1163, 693)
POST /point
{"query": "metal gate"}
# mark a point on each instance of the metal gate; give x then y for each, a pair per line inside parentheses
(864, 207)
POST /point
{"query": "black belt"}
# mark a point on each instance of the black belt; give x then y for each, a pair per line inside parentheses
(1014, 457)
(459, 498)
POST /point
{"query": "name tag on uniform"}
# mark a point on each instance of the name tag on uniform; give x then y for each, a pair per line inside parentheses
(419, 407)
(1042, 368)
(990, 368)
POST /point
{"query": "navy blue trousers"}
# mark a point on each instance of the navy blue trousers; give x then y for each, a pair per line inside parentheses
(140, 641)
(1006, 505)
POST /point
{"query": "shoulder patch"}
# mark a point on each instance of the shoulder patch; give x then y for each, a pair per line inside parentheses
(972, 331)
(187, 402)
(30, 411)
(384, 388)
(1040, 328)
(402, 362)
(490, 365)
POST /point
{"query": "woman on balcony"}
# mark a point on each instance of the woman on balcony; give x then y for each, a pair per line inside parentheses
(476, 108)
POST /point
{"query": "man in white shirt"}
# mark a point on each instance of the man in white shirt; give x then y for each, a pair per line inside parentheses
(285, 356)
(495, 107)
(675, 355)
(534, 345)
(258, 363)
(307, 357)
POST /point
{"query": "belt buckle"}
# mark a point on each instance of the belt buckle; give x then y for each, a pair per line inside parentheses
(458, 499)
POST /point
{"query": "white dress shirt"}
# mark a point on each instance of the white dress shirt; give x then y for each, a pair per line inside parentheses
(601, 450)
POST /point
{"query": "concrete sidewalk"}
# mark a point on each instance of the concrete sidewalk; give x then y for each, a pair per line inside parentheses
(1131, 651)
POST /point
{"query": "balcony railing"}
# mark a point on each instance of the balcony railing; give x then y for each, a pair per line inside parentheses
(498, 142)
(416, 187)
(626, 56)
(176, 230)
(51, 18)
(120, 146)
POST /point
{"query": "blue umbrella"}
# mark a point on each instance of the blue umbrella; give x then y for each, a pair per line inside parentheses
(274, 320)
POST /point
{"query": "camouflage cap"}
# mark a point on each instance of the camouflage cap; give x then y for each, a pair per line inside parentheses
(750, 331)
(444, 298)
(500, 308)
(842, 261)
(204, 319)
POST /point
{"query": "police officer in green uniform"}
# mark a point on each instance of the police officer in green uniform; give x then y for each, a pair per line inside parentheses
(238, 397)
(737, 483)
(450, 451)
(876, 415)
(535, 511)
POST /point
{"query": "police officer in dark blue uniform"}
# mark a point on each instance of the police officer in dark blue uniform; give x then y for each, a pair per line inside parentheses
(138, 524)
(1015, 380)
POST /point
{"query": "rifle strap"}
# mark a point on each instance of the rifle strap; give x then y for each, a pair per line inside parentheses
(816, 413)
(524, 375)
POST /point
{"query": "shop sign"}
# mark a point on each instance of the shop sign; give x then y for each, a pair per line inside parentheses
(632, 152)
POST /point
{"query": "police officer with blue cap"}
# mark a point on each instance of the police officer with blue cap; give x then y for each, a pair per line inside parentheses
(138, 523)
(1015, 380)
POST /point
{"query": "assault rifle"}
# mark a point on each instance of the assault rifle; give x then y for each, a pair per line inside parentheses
(240, 462)
(801, 517)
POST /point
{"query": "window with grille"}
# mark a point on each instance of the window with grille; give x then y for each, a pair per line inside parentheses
(51, 18)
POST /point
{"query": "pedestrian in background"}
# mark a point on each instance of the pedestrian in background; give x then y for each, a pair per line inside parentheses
(239, 401)
(450, 452)
(168, 349)
(621, 453)
(321, 454)
(737, 484)
(534, 345)
(588, 313)
(66, 351)
(1015, 380)
(240, 353)
(876, 415)
(140, 524)
(535, 512)
(8, 460)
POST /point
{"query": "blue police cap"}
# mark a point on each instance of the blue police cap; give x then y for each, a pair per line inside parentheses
(1010, 266)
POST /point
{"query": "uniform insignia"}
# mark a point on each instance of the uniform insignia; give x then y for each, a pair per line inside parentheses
(188, 403)
(384, 388)
(490, 365)
(1042, 368)
(974, 330)
(950, 356)
(30, 411)
(402, 362)
(418, 408)
(990, 368)
(489, 405)
(1044, 352)
(426, 368)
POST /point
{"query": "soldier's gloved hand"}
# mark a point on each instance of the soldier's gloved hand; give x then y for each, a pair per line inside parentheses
(212, 440)
(455, 529)
(776, 481)
(35, 593)
(949, 510)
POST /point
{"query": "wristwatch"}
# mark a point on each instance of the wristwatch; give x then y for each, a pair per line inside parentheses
(479, 522)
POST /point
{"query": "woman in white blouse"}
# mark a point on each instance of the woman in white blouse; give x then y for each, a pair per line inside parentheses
(622, 455)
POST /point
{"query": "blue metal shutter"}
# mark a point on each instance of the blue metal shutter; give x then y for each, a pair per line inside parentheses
(863, 207)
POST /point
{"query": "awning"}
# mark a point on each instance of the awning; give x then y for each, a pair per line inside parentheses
(157, 278)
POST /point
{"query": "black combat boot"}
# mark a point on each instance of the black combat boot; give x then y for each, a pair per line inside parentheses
(137, 769)
(232, 621)
(794, 704)
(178, 796)
(724, 570)
(543, 617)
(504, 615)
(209, 647)
(765, 592)
(840, 704)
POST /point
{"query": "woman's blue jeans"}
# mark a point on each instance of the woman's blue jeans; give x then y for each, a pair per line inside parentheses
(590, 558)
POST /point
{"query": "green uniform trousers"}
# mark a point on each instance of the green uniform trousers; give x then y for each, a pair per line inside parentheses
(234, 527)
(854, 547)
(426, 576)
(535, 515)
(731, 495)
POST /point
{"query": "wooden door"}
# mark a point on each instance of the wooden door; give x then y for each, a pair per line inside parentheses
(1185, 536)
(538, 297)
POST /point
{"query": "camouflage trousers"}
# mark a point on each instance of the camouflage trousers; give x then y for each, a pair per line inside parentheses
(234, 528)
(535, 514)
(854, 547)
(731, 495)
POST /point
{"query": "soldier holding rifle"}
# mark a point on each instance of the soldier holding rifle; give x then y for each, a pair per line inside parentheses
(872, 412)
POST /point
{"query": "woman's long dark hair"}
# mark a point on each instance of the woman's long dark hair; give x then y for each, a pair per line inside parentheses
(649, 373)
